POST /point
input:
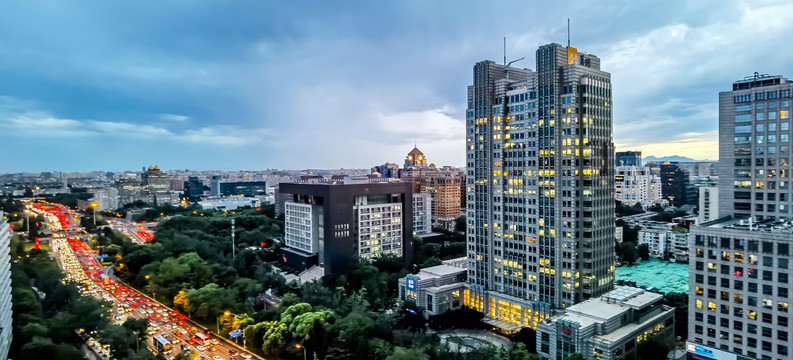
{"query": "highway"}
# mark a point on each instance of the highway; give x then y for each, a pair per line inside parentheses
(139, 234)
(80, 265)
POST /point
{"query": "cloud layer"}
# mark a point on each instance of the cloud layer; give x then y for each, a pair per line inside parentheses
(297, 85)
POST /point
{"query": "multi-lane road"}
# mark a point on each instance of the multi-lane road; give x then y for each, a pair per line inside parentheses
(169, 331)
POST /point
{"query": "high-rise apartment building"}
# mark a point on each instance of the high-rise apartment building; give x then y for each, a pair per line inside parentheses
(330, 223)
(636, 184)
(739, 290)
(540, 186)
(628, 158)
(6, 319)
(754, 150)
(674, 182)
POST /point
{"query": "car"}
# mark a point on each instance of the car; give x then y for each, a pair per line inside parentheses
(233, 352)
(246, 356)
(217, 357)
(184, 347)
(200, 348)
(215, 341)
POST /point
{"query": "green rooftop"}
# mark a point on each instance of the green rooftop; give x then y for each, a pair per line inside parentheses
(665, 276)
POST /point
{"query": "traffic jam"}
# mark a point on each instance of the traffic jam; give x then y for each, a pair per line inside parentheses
(170, 331)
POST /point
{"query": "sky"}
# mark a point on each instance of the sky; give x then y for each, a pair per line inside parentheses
(248, 85)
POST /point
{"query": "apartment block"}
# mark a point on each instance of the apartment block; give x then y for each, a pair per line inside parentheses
(739, 290)
(6, 319)
(636, 184)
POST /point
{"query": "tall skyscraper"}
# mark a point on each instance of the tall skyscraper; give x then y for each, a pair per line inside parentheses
(754, 151)
(540, 186)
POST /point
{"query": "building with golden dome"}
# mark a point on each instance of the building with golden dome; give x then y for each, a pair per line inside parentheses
(415, 158)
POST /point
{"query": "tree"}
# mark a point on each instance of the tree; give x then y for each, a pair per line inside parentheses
(629, 252)
(517, 351)
(401, 353)
(181, 302)
(644, 252)
(274, 339)
(459, 224)
(578, 356)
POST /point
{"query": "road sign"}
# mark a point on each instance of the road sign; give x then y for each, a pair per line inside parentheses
(235, 333)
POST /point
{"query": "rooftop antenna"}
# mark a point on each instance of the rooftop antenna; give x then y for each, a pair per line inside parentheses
(505, 51)
(568, 32)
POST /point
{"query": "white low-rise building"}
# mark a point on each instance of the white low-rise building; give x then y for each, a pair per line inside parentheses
(635, 184)
(438, 288)
(664, 241)
(607, 328)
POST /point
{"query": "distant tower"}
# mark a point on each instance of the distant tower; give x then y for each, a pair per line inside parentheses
(415, 158)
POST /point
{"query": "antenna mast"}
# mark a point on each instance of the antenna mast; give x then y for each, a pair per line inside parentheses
(505, 50)
(568, 32)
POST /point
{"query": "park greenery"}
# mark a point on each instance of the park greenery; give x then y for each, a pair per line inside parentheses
(49, 313)
(190, 266)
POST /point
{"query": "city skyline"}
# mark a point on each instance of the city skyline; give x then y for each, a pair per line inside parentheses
(127, 87)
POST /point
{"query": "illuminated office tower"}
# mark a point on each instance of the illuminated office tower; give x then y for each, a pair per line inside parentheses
(540, 186)
(754, 148)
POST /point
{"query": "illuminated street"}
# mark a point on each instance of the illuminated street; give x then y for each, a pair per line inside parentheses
(169, 331)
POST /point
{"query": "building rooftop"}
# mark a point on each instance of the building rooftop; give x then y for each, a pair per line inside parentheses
(439, 270)
(610, 305)
(781, 226)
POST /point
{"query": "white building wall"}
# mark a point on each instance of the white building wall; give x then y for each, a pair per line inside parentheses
(636, 184)
(656, 240)
(299, 227)
(708, 203)
(380, 229)
(422, 213)
(5, 288)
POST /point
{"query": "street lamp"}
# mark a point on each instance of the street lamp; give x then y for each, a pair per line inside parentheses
(304, 350)
(94, 205)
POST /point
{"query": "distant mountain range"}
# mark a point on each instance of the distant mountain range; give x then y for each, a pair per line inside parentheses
(671, 158)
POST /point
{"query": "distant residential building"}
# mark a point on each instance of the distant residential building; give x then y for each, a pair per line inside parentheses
(129, 190)
(754, 148)
(6, 319)
(636, 184)
(708, 203)
(244, 188)
(156, 186)
(232, 203)
(422, 213)
(214, 185)
(628, 158)
(674, 182)
(387, 170)
(609, 327)
(436, 289)
(329, 223)
(445, 185)
(739, 290)
(665, 241)
(193, 187)
(176, 184)
(106, 198)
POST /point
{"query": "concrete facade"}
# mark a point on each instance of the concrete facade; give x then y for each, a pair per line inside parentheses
(739, 289)
(754, 148)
